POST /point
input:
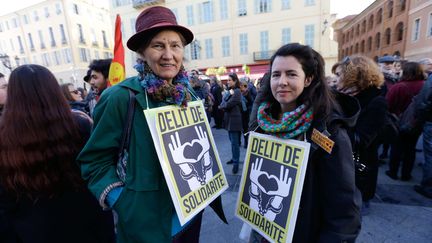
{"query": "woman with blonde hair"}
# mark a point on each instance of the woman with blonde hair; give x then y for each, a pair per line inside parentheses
(361, 78)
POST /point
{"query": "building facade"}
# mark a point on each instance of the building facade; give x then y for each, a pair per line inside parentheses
(62, 35)
(419, 33)
(380, 29)
(233, 33)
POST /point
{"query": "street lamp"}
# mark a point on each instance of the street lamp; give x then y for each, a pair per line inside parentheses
(6, 61)
(325, 24)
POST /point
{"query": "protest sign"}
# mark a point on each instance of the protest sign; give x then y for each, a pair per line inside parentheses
(271, 185)
(188, 156)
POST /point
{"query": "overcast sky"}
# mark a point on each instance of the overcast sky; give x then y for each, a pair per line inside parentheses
(341, 7)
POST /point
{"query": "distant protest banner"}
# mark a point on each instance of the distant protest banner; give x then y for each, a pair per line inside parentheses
(271, 185)
(188, 156)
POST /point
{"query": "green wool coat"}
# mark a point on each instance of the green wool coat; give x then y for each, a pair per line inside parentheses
(144, 207)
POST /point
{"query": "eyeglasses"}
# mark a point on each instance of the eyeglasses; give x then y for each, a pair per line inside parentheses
(75, 91)
(346, 60)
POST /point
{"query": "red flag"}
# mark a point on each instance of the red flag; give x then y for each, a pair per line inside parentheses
(117, 68)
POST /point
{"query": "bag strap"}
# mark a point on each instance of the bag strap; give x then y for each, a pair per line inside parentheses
(125, 142)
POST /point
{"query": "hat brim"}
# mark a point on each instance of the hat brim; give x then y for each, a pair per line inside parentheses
(135, 42)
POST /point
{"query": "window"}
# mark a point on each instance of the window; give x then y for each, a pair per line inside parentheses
(63, 35)
(369, 44)
(429, 29)
(356, 49)
(286, 4)
(67, 55)
(51, 32)
(242, 9)
(11, 44)
(223, 9)
(309, 2)
(105, 43)
(399, 31)
(41, 40)
(35, 15)
(58, 8)
(243, 39)
(309, 35)
(118, 3)
(362, 46)
(379, 16)
(56, 57)
(387, 36)
(416, 30)
(363, 26)
(32, 48)
(190, 15)
(25, 18)
(378, 40)
(75, 9)
(107, 54)
(357, 32)
(209, 48)
(262, 6)
(390, 9)
(402, 5)
(264, 41)
(195, 50)
(83, 55)
(96, 54)
(371, 22)
(46, 10)
(81, 34)
(225, 46)
(14, 23)
(20, 44)
(206, 12)
(175, 11)
(93, 37)
(286, 35)
(46, 60)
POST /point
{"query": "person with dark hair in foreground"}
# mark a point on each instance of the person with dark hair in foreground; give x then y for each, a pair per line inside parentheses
(291, 103)
(42, 195)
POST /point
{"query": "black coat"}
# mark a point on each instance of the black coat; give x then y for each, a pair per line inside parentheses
(231, 104)
(364, 136)
(330, 203)
(70, 216)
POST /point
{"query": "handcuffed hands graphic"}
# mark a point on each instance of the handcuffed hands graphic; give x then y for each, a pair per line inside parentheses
(194, 168)
(274, 205)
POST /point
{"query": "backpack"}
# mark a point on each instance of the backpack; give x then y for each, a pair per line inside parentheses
(408, 123)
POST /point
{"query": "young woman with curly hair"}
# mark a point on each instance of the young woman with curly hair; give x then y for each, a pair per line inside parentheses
(42, 196)
(362, 79)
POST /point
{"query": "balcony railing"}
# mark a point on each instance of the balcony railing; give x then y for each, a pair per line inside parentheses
(142, 3)
(263, 55)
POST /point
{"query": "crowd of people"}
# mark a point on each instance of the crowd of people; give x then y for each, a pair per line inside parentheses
(59, 144)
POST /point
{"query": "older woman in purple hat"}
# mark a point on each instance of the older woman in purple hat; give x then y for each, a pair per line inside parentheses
(138, 192)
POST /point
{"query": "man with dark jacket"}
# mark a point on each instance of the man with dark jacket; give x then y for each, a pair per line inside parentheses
(216, 91)
(423, 114)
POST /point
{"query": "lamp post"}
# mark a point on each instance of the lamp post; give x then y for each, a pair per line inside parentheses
(5, 59)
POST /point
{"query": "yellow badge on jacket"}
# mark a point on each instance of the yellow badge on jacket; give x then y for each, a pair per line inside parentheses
(322, 140)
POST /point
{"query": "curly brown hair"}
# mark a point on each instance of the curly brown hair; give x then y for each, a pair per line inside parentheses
(359, 73)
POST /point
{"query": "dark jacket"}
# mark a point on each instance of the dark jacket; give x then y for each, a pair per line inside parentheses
(144, 206)
(423, 111)
(330, 203)
(231, 104)
(71, 216)
(80, 106)
(364, 136)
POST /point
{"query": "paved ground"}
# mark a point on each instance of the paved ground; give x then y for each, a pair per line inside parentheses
(398, 213)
